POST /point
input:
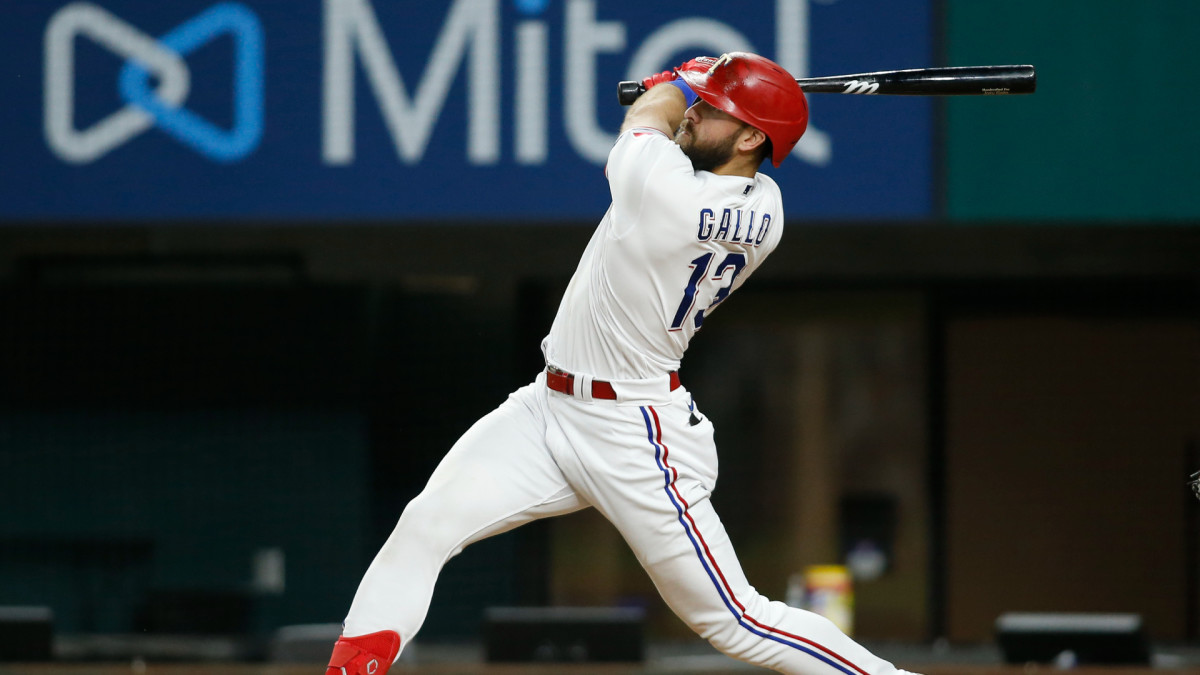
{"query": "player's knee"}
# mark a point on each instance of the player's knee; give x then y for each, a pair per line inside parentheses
(722, 631)
(731, 639)
(735, 635)
(421, 524)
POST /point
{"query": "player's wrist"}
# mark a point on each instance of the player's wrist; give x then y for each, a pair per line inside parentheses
(672, 78)
(689, 96)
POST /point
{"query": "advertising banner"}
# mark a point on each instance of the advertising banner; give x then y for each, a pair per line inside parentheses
(393, 111)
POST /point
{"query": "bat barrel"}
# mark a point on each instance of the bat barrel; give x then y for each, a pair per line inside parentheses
(951, 81)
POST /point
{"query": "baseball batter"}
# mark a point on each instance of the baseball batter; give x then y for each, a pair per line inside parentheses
(608, 424)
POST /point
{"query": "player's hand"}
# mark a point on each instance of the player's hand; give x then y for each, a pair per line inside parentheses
(698, 64)
(670, 77)
(702, 63)
(653, 80)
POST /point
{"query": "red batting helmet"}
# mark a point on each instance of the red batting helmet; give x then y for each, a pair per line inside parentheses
(755, 90)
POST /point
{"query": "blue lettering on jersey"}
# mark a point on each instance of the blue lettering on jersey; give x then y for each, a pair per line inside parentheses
(762, 231)
(723, 231)
(730, 229)
(737, 227)
(706, 225)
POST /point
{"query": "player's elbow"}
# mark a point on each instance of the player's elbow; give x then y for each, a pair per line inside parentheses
(660, 108)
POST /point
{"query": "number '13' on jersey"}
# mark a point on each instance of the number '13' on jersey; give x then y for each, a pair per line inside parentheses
(699, 267)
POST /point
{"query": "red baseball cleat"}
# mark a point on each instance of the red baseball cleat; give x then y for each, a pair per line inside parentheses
(364, 655)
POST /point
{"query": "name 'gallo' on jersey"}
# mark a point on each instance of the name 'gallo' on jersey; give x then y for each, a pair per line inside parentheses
(692, 237)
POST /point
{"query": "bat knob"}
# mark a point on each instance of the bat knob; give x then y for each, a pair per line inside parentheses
(628, 92)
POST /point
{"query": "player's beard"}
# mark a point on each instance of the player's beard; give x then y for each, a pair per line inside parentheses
(705, 157)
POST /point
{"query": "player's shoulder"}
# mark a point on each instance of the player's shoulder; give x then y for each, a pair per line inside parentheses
(644, 132)
(644, 139)
(642, 152)
(767, 183)
(767, 192)
(770, 199)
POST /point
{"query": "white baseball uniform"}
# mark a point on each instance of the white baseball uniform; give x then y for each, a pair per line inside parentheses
(674, 243)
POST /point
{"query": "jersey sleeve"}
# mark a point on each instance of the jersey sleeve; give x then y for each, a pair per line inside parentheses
(645, 165)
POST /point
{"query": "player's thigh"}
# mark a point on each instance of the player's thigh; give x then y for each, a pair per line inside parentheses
(497, 476)
(693, 564)
(660, 502)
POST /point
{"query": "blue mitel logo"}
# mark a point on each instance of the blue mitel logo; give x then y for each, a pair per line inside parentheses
(147, 107)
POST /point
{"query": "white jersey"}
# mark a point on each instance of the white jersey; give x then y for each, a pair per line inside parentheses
(673, 244)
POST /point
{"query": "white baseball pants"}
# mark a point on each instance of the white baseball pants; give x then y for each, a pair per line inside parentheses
(650, 471)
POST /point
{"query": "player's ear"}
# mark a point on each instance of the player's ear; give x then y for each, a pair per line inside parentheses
(751, 139)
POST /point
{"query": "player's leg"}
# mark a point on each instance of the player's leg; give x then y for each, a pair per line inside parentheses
(656, 492)
(497, 476)
(705, 586)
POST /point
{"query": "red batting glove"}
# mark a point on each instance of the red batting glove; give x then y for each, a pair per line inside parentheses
(664, 76)
(700, 64)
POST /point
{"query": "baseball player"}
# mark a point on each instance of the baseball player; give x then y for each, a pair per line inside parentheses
(608, 423)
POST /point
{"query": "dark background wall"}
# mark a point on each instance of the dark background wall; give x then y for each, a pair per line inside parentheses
(177, 400)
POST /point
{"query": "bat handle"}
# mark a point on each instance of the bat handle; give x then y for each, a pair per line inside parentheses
(628, 92)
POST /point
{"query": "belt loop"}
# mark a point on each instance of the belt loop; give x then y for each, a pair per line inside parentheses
(583, 387)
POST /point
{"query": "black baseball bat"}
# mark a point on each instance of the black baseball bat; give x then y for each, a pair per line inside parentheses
(952, 81)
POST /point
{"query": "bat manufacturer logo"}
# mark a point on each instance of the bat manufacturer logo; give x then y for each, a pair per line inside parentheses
(860, 87)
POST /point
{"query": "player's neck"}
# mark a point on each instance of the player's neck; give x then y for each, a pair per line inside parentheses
(738, 166)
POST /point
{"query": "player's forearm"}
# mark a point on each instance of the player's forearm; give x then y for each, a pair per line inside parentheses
(660, 108)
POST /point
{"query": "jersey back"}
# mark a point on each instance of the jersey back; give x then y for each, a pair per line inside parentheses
(673, 245)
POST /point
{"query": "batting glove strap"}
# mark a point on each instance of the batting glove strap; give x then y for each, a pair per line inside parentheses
(672, 78)
(688, 94)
